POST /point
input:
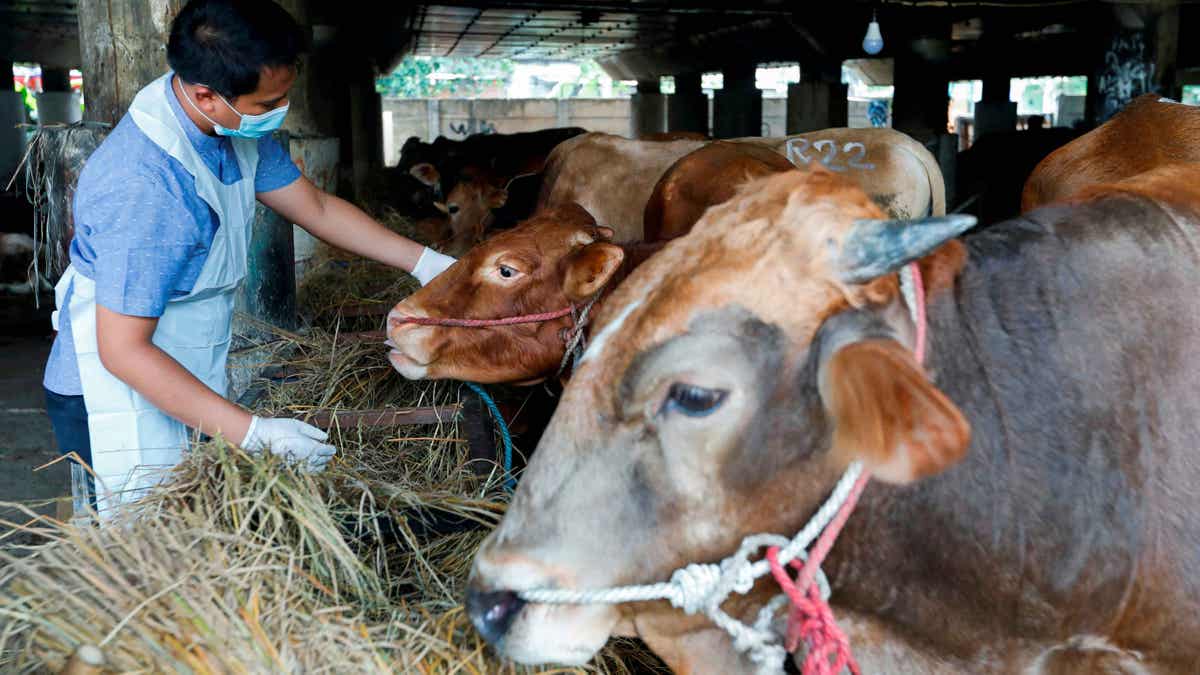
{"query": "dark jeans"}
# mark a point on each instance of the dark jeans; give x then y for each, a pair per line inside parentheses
(69, 418)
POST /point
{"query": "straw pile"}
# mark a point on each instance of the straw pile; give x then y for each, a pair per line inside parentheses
(242, 564)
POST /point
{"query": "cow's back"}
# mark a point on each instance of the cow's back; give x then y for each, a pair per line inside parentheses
(898, 173)
(610, 176)
(1082, 328)
(701, 179)
(1149, 132)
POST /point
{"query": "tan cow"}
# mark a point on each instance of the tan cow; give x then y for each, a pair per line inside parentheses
(897, 172)
(1147, 133)
(1034, 495)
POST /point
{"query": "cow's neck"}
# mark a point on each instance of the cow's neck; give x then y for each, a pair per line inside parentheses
(1041, 529)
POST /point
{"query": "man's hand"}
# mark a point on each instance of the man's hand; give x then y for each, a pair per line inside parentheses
(290, 438)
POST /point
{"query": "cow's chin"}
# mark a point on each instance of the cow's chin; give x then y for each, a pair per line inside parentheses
(568, 635)
(408, 367)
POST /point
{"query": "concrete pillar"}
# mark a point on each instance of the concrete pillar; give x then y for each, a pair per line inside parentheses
(995, 113)
(687, 108)
(921, 105)
(812, 106)
(737, 107)
(12, 113)
(649, 108)
(57, 104)
(366, 113)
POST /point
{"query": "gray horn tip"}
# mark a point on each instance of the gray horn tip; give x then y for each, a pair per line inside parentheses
(878, 247)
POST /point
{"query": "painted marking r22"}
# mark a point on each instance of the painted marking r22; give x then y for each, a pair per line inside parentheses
(854, 152)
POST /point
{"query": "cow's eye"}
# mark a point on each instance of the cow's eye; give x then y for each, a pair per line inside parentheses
(507, 272)
(452, 209)
(694, 401)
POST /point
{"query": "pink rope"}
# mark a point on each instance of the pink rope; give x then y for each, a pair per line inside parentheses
(483, 323)
(919, 310)
(811, 618)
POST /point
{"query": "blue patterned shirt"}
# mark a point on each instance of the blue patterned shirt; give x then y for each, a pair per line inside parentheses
(142, 232)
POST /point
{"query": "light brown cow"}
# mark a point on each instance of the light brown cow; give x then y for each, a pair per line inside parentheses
(738, 372)
(897, 172)
(614, 177)
(1149, 132)
(610, 176)
(557, 258)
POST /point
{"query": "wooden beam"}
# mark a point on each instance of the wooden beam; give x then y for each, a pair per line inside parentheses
(387, 417)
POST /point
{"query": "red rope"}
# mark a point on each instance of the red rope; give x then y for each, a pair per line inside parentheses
(483, 323)
(811, 618)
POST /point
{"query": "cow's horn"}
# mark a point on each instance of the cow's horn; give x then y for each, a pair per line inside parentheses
(442, 207)
(877, 247)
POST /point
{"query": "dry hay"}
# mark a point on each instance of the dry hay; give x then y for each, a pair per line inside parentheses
(241, 564)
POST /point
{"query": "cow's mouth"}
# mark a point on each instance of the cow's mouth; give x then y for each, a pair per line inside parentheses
(406, 365)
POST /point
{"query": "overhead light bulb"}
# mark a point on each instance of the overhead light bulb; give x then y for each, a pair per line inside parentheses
(873, 42)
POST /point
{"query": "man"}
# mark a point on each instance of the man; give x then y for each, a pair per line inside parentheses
(162, 223)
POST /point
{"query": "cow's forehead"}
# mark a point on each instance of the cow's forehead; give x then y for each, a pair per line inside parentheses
(770, 250)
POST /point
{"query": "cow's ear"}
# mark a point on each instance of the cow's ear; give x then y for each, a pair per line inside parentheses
(426, 173)
(886, 413)
(590, 268)
(410, 143)
(497, 197)
(605, 232)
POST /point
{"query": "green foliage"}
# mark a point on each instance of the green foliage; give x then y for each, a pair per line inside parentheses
(433, 77)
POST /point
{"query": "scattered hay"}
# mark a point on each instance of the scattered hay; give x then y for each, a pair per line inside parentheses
(242, 564)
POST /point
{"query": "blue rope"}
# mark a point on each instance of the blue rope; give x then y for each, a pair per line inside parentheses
(510, 482)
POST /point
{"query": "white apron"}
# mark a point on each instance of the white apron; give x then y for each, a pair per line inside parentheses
(133, 443)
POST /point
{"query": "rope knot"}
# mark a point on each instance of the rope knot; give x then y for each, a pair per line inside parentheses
(695, 586)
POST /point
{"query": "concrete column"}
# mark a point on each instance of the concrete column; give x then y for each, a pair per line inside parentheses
(57, 104)
(366, 113)
(995, 113)
(812, 106)
(737, 108)
(687, 108)
(649, 108)
(922, 103)
(12, 113)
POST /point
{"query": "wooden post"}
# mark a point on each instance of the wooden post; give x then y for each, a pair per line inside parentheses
(477, 427)
(124, 47)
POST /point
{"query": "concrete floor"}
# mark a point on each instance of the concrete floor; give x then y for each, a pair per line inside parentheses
(26, 439)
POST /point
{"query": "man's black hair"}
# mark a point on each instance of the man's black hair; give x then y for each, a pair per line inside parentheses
(224, 44)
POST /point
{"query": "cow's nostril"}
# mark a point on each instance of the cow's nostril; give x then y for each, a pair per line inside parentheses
(493, 612)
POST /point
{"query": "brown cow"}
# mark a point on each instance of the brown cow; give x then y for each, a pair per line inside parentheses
(738, 372)
(1149, 132)
(704, 178)
(556, 258)
(466, 212)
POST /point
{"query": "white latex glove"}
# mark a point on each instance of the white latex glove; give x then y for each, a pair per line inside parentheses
(430, 264)
(291, 438)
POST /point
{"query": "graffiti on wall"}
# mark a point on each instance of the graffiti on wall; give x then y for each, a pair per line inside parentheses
(472, 126)
(1128, 72)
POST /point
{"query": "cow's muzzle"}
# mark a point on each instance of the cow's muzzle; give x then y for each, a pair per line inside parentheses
(493, 612)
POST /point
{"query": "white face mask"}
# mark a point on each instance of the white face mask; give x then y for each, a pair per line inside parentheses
(251, 126)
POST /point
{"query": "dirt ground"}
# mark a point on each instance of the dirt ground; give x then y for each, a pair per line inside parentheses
(26, 440)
